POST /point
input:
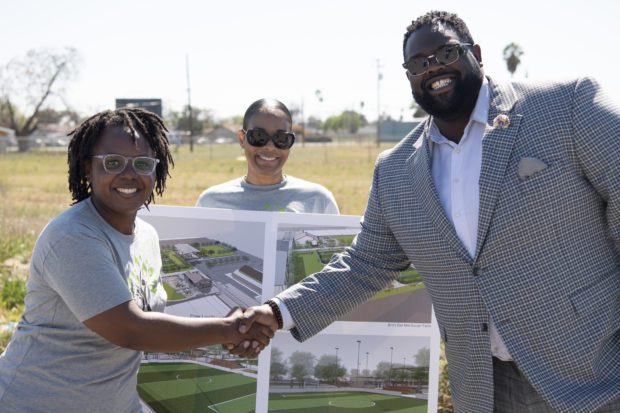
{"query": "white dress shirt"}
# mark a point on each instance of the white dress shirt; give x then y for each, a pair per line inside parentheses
(456, 173)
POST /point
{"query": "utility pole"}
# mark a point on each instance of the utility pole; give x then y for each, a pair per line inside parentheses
(379, 78)
(358, 357)
(319, 96)
(189, 107)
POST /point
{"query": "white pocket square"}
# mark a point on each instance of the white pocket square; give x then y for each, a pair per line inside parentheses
(528, 167)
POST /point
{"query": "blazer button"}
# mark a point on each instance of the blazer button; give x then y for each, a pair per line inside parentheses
(476, 271)
(485, 327)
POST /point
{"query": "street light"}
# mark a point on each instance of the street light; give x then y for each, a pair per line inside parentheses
(366, 362)
(319, 96)
(358, 357)
(390, 372)
(337, 348)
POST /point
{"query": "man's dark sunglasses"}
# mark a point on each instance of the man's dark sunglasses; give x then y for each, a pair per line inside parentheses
(445, 55)
(259, 137)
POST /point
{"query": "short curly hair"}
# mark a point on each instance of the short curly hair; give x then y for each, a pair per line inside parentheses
(433, 18)
(140, 122)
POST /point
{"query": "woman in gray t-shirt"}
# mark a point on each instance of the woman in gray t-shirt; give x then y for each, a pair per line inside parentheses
(266, 139)
(94, 289)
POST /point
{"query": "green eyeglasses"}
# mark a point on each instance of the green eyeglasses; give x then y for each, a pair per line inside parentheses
(115, 164)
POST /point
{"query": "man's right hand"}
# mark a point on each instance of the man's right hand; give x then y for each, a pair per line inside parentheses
(261, 314)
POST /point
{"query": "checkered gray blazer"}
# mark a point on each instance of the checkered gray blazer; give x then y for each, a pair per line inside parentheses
(547, 262)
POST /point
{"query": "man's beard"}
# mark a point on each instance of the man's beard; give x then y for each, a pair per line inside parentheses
(461, 103)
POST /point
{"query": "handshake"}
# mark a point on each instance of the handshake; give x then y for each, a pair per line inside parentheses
(253, 327)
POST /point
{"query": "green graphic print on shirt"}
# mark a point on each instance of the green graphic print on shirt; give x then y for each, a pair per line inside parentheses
(142, 282)
(269, 207)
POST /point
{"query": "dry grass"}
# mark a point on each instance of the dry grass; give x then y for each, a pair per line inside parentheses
(347, 171)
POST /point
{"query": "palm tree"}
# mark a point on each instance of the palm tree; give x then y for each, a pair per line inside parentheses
(512, 55)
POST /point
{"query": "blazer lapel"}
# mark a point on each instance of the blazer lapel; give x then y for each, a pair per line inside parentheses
(419, 168)
(497, 146)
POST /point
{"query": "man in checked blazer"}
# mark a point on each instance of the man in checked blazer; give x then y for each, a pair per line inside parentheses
(507, 201)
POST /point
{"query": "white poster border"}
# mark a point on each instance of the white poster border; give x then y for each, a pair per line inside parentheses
(272, 221)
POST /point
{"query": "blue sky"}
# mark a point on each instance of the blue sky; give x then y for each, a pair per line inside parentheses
(240, 51)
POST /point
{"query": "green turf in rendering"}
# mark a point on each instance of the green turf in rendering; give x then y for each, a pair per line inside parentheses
(344, 239)
(188, 387)
(305, 263)
(309, 262)
(326, 255)
(399, 290)
(215, 250)
(171, 293)
(354, 402)
(172, 262)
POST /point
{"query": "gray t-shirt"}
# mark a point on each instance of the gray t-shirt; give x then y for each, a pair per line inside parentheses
(290, 195)
(80, 267)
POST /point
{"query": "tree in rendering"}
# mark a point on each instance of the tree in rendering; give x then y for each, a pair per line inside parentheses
(301, 365)
(278, 365)
(329, 369)
(382, 371)
(422, 357)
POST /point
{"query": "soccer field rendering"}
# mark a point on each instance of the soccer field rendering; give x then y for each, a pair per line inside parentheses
(341, 402)
(189, 387)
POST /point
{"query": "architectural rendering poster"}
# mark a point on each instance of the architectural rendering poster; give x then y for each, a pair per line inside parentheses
(381, 357)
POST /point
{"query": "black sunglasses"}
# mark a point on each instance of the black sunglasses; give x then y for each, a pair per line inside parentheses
(259, 137)
(445, 55)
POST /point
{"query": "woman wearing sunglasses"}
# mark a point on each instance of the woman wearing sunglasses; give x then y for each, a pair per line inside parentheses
(266, 139)
(95, 278)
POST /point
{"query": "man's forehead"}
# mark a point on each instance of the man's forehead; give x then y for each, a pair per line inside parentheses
(426, 39)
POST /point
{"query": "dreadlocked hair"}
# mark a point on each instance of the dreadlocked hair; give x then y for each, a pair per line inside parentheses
(137, 122)
(434, 18)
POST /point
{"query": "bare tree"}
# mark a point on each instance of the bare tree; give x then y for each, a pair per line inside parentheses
(512, 56)
(28, 82)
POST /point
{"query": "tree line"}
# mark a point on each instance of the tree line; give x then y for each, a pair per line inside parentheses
(301, 366)
(33, 91)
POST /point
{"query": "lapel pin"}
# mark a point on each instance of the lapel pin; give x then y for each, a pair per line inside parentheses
(501, 121)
